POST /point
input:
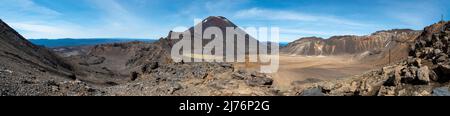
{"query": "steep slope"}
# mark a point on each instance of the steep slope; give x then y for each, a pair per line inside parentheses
(240, 39)
(27, 69)
(213, 21)
(17, 48)
(396, 49)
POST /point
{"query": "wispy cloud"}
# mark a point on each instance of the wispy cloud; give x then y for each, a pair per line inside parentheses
(47, 30)
(317, 32)
(112, 18)
(409, 19)
(283, 15)
(415, 13)
(258, 13)
(297, 24)
(39, 28)
(28, 6)
(116, 14)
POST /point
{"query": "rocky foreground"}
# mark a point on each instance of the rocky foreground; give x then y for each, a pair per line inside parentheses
(138, 68)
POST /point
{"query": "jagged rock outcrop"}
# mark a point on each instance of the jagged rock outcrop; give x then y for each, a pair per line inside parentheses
(195, 79)
(433, 49)
(428, 61)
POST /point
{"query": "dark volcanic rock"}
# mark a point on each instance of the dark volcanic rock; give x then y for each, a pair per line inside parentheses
(308, 80)
(150, 66)
(259, 81)
(241, 75)
(313, 92)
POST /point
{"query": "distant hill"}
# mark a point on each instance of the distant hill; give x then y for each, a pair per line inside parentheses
(379, 48)
(70, 42)
(349, 44)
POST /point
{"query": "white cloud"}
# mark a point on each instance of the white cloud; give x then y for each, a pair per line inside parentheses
(115, 14)
(318, 32)
(39, 28)
(28, 6)
(46, 30)
(280, 15)
(54, 30)
(414, 13)
(297, 24)
(303, 32)
(292, 34)
(409, 19)
(114, 20)
(273, 15)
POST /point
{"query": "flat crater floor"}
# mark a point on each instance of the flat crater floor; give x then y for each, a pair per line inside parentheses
(307, 68)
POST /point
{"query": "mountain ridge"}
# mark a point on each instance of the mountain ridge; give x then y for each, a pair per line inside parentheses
(348, 44)
(73, 42)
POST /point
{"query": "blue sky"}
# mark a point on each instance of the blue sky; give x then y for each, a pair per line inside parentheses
(154, 18)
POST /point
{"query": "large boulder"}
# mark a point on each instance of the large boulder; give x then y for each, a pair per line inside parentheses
(423, 75)
(259, 81)
(252, 79)
(150, 66)
(240, 75)
(443, 73)
(397, 74)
